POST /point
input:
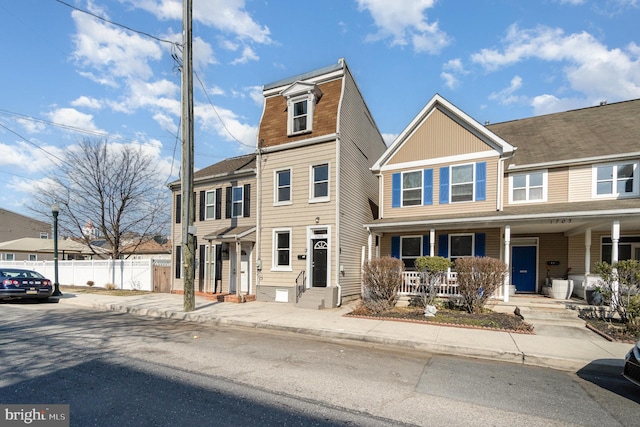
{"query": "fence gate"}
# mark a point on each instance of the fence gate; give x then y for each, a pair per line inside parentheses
(161, 279)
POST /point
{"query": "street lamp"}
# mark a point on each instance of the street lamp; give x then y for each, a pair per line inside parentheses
(56, 286)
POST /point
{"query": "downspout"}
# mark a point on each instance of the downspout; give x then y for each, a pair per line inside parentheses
(258, 215)
(337, 257)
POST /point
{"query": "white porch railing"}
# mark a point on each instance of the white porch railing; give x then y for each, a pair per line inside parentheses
(415, 282)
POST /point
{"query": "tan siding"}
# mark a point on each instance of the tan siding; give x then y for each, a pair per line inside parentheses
(580, 181)
(360, 146)
(436, 209)
(558, 183)
(576, 250)
(552, 247)
(438, 136)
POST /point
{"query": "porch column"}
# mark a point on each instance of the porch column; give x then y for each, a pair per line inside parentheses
(615, 239)
(587, 252)
(432, 242)
(507, 253)
(369, 244)
(238, 266)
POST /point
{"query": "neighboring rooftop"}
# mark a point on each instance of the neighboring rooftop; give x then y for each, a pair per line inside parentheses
(229, 166)
(603, 130)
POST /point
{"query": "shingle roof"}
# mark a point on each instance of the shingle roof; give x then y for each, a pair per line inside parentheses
(226, 166)
(605, 130)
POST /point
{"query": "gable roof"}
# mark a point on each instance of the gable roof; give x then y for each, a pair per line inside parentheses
(605, 131)
(230, 166)
(462, 118)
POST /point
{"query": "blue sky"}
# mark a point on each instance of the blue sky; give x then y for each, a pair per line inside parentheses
(68, 75)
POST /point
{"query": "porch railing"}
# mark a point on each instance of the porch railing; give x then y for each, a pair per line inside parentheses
(300, 284)
(415, 282)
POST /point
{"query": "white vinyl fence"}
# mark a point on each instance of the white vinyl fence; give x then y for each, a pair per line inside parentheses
(124, 274)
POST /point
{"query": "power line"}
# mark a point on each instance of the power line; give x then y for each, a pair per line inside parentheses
(32, 143)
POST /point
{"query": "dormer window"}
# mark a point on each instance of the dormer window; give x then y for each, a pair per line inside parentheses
(301, 101)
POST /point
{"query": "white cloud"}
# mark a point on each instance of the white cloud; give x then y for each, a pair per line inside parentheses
(590, 68)
(86, 102)
(32, 126)
(572, 2)
(405, 22)
(389, 138)
(255, 93)
(28, 158)
(111, 52)
(506, 96)
(73, 118)
(230, 128)
(450, 81)
(547, 104)
(451, 70)
(248, 54)
(229, 16)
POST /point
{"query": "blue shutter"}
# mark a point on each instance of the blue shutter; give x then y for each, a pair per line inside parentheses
(443, 245)
(481, 181)
(395, 246)
(444, 185)
(395, 190)
(425, 245)
(427, 192)
(479, 245)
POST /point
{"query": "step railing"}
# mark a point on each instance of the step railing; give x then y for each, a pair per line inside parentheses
(301, 284)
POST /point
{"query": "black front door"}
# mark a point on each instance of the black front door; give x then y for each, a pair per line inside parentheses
(319, 263)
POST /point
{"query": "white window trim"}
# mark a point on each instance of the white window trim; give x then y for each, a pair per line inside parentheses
(402, 257)
(614, 194)
(545, 187)
(234, 202)
(44, 235)
(34, 256)
(310, 98)
(473, 183)
(206, 205)
(277, 202)
(312, 182)
(420, 187)
(9, 255)
(274, 249)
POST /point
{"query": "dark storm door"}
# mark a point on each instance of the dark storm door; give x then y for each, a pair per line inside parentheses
(523, 268)
(319, 263)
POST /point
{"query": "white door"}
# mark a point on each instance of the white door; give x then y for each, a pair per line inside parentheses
(244, 272)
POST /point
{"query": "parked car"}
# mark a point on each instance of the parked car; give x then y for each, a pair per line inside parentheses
(632, 365)
(16, 283)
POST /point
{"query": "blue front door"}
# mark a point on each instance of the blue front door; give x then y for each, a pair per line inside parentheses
(523, 268)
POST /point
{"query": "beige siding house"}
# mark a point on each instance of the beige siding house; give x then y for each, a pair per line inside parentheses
(16, 226)
(549, 195)
(317, 142)
(225, 222)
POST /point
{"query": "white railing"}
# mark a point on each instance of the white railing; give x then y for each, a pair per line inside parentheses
(415, 282)
(124, 274)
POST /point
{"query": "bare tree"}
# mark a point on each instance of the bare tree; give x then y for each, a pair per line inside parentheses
(116, 187)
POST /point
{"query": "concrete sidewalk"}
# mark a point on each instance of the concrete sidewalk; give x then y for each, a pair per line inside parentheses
(559, 345)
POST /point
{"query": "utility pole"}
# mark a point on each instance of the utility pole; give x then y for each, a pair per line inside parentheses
(188, 213)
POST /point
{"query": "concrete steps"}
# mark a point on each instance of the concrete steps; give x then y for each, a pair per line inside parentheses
(312, 299)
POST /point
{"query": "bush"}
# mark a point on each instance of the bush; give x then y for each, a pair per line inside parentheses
(110, 286)
(626, 298)
(434, 270)
(90, 283)
(478, 278)
(381, 278)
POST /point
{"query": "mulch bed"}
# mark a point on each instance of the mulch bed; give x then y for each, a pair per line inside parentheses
(447, 317)
(612, 330)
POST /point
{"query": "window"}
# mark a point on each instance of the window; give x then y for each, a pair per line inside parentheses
(616, 179)
(283, 186)
(460, 245)
(320, 182)
(410, 248)
(44, 235)
(628, 248)
(282, 249)
(237, 199)
(463, 183)
(529, 187)
(33, 257)
(300, 116)
(210, 204)
(301, 101)
(9, 257)
(412, 188)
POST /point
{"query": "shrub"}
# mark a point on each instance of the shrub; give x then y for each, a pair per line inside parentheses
(478, 278)
(434, 270)
(625, 298)
(381, 278)
(110, 286)
(90, 283)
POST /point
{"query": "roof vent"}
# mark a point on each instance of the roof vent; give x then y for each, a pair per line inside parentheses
(603, 102)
